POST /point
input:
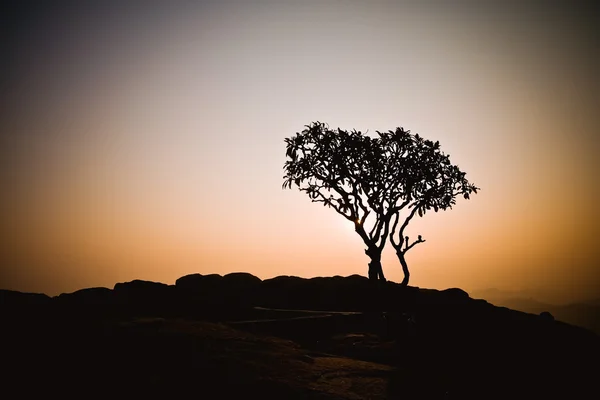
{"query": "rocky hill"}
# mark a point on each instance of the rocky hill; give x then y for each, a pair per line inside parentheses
(585, 313)
(236, 336)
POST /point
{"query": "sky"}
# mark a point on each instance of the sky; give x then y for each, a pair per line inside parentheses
(145, 140)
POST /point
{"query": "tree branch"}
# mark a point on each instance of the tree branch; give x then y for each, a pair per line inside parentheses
(377, 222)
(413, 244)
(407, 220)
(393, 232)
(330, 203)
(385, 222)
(336, 188)
(385, 231)
(360, 203)
(361, 232)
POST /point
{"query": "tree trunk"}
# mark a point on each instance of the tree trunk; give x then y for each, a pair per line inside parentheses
(404, 269)
(375, 269)
(374, 253)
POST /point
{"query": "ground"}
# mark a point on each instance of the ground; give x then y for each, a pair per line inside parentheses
(288, 338)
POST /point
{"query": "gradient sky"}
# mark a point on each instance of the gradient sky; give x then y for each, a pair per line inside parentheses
(145, 141)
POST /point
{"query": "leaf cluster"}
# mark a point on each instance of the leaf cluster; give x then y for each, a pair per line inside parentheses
(420, 174)
(358, 175)
(338, 168)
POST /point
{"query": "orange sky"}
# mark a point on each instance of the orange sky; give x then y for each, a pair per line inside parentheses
(147, 142)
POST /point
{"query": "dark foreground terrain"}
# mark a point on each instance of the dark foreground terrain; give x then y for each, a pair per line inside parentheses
(583, 313)
(288, 338)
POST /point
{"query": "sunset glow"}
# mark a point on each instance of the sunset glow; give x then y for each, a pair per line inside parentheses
(146, 142)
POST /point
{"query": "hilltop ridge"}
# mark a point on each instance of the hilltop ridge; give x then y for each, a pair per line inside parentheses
(384, 340)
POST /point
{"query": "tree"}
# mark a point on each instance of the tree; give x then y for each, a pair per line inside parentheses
(425, 179)
(359, 176)
(344, 171)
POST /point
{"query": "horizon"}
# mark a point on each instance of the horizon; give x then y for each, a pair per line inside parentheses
(147, 141)
(539, 295)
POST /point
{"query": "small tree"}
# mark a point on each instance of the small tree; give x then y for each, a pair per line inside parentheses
(344, 171)
(424, 178)
(359, 176)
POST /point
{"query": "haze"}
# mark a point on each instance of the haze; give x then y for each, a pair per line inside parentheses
(146, 141)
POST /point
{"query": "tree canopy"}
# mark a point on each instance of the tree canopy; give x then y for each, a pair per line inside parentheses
(359, 176)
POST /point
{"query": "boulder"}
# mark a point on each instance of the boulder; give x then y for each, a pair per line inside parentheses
(96, 295)
(546, 316)
(198, 283)
(86, 301)
(13, 298)
(21, 304)
(241, 280)
(456, 294)
(140, 286)
(145, 296)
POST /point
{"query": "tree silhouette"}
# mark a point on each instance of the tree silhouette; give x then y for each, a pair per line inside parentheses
(359, 176)
(425, 179)
(344, 171)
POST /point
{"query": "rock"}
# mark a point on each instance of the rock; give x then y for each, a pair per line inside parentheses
(241, 280)
(399, 325)
(546, 316)
(86, 302)
(456, 294)
(141, 287)
(284, 292)
(198, 283)
(145, 297)
(307, 359)
(13, 298)
(97, 295)
(14, 303)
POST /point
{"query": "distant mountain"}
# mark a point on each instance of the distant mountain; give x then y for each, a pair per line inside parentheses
(584, 314)
(593, 302)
